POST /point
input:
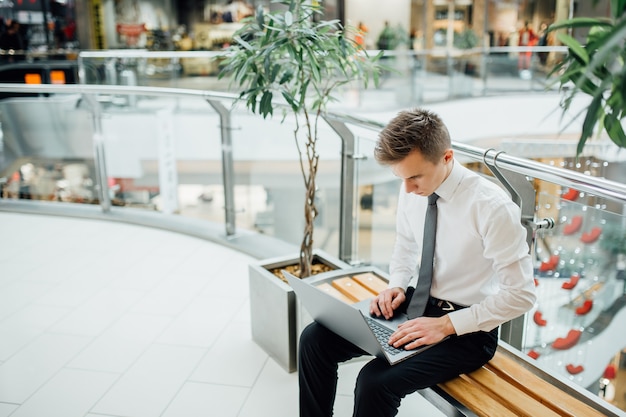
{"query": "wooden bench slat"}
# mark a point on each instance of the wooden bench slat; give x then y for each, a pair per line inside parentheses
(326, 287)
(370, 281)
(510, 395)
(352, 289)
(544, 392)
(503, 387)
(476, 399)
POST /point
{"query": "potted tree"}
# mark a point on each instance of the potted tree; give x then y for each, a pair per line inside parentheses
(596, 69)
(290, 61)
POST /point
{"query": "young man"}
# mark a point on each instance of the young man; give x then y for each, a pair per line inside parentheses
(481, 276)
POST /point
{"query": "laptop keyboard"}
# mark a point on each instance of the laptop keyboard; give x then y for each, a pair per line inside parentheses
(382, 333)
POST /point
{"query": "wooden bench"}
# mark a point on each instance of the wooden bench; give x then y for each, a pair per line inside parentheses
(510, 385)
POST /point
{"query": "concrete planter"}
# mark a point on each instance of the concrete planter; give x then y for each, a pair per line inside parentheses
(273, 311)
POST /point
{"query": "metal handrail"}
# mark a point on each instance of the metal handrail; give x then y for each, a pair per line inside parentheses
(114, 89)
(435, 52)
(600, 187)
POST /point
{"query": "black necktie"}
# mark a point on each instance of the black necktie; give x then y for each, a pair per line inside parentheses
(422, 289)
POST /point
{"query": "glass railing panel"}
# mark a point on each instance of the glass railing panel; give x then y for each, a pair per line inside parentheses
(164, 154)
(46, 150)
(193, 69)
(414, 77)
(521, 69)
(270, 190)
(576, 326)
(374, 207)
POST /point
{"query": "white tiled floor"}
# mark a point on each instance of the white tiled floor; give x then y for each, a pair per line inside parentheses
(101, 319)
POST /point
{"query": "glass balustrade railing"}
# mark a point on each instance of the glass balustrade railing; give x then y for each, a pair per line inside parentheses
(164, 154)
(168, 152)
(412, 77)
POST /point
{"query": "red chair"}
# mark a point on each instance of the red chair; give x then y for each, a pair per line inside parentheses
(573, 280)
(570, 195)
(573, 226)
(585, 308)
(568, 341)
(591, 236)
(538, 319)
(574, 369)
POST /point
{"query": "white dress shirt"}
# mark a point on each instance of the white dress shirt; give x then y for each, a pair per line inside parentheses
(481, 255)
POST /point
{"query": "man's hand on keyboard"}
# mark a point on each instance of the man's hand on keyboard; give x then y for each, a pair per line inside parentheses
(422, 331)
(386, 302)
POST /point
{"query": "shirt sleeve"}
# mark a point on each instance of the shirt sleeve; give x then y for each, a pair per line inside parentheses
(516, 296)
(504, 241)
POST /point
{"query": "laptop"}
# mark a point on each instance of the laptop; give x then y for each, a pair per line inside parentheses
(353, 322)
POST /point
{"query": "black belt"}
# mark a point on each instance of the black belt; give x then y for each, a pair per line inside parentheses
(444, 305)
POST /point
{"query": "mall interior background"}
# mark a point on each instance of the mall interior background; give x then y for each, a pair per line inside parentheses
(60, 29)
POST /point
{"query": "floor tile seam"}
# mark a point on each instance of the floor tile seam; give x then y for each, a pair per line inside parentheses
(208, 349)
(180, 345)
(27, 302)
(176, 316)
(35, 302)
(96, 337)
(184, 381)
(46, 382)
(122, 374)
(44, 331)
(113, 383)
(93, 413)
(247, 398)
(106, 392)
(195, 296)
(47, 329)
(217, 384)
(86, 302)
(215, 339)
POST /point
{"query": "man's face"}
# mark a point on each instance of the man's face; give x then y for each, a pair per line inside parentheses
(421, 176)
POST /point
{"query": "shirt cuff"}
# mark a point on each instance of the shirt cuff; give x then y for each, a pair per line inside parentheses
(463, 321)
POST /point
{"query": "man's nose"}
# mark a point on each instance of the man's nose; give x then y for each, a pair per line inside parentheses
(409, 186)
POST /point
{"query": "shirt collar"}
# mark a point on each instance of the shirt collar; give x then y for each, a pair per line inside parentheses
(449, 186)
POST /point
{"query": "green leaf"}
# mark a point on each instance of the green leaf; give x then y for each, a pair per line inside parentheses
(611, 46)
(243, 43)
(291, 101)
(260, 16)
(574, 46)
(274, 74)
(288, 18)
(613, 127)
(618, 8)
(580, 22)
(591, 119)
(287, 76)
(266, 107)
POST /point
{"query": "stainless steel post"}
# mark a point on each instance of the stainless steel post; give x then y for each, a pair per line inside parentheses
(228, 171)
(102, 184)
(346, 189)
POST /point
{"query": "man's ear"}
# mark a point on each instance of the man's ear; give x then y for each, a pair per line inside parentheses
(448, 155)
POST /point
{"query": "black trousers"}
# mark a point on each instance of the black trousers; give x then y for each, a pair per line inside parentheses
(380, 387)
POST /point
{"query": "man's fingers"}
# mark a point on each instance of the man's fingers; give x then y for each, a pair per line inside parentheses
(374, 309)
